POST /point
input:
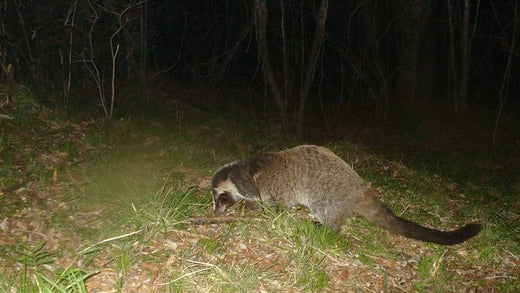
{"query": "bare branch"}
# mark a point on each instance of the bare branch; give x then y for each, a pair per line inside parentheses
(222, 220)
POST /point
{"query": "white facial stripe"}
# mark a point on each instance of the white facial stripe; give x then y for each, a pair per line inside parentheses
(228, 186)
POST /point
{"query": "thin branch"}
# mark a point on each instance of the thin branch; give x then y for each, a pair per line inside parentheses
(181, 45)
(108, 240)
(222, 219)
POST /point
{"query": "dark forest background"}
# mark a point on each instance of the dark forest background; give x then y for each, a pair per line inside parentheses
(115, 113)
(317, 65)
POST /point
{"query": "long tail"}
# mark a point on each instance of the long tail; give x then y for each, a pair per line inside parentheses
(374, 211)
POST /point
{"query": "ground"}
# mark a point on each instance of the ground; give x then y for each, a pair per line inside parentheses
(105, 206)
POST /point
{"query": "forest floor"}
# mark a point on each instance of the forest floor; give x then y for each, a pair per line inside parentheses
(88, 205)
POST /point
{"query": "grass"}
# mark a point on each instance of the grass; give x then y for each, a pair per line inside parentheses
(37, 273)
(119, 218)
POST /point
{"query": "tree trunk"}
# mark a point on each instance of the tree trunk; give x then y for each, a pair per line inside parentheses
(412, 28)
(461, 100)
(263, 52)
(506, 79)
(317, 41)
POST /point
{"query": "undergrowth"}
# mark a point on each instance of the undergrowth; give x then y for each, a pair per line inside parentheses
(36, 272)
(119, 218)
